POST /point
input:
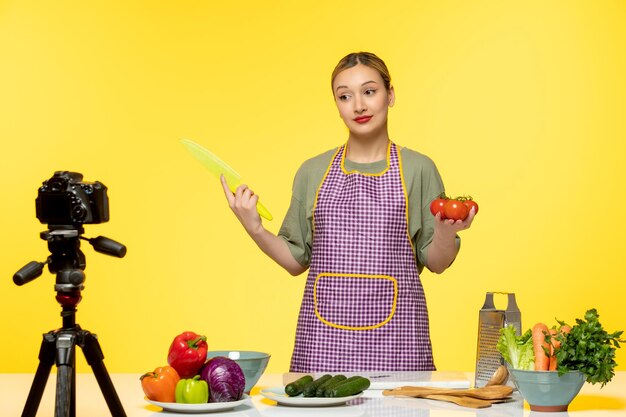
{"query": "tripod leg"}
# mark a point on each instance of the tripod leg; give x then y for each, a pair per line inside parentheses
(46, 360)
(65, 405)
(93, 354)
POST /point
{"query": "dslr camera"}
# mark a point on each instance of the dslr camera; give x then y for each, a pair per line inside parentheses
(65, 199)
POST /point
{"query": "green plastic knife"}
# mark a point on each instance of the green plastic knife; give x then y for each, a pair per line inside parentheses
(218, 167)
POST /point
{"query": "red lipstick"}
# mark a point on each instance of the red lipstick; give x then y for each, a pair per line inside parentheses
(362, 119)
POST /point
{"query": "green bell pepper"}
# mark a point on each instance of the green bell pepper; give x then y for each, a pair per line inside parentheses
(192, 391)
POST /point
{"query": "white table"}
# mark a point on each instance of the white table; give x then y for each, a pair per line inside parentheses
(592, 401)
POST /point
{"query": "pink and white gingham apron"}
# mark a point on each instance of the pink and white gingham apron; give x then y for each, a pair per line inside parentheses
(363, 307)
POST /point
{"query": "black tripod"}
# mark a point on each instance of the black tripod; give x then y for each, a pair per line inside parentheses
(59, 346)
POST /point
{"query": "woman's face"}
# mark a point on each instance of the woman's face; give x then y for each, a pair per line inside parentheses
(362, 99)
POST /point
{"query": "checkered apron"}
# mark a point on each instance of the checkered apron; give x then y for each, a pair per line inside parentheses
(363, 307)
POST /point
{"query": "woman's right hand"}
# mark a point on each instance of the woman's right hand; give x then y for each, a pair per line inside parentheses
(243, 204)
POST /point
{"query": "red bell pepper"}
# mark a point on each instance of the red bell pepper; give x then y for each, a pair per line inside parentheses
(187, 353)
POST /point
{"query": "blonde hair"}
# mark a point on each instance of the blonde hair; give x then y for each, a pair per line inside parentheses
(365, 58)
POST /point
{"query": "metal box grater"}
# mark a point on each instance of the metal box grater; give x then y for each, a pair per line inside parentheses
(490, 321)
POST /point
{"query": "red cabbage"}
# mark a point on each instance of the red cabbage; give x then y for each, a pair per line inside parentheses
(225, 378)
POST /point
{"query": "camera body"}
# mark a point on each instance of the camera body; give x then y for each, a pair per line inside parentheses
(65, 199)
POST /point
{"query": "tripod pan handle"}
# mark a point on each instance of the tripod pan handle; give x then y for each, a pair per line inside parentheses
(29, 272)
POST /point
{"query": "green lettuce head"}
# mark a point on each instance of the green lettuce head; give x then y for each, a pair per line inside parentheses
(517, 351)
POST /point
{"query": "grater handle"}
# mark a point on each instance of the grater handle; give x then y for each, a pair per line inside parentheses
(513, 314)
(489, 305)
(512, 304)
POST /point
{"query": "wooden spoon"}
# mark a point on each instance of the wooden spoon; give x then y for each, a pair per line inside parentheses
(499, 377)
(462, 401)
(492, 392)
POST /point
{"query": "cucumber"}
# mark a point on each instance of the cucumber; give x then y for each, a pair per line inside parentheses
(296, 387)
(321, 390)
(341, 382)
(311, 387)
(352, 378)
(352, 387)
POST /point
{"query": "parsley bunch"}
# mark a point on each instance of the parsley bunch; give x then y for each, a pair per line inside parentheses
(588, 348)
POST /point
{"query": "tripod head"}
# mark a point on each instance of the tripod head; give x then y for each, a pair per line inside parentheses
(66, 259)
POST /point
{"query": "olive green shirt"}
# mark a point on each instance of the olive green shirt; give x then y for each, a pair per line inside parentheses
(422, 181)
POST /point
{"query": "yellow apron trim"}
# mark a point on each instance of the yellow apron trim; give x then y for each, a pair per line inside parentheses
(340, 326)
(345, 171)
(406, 199)
(317, 193)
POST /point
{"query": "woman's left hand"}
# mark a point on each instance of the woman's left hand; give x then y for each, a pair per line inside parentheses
(443, 249)
(449, 227)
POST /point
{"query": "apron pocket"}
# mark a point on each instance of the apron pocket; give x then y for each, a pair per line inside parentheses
(355, 301)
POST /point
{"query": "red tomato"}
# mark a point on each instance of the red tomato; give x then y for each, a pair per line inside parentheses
(469, 204)
(455, 210)
(437, 206)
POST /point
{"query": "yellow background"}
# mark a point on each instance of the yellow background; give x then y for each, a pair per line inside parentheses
(521, 104)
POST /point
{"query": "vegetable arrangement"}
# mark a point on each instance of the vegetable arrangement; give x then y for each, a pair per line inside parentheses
(584, 347)
(327, 386)
(191, 378)
(453, 208)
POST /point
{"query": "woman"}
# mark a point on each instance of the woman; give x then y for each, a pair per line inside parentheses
(359, 220)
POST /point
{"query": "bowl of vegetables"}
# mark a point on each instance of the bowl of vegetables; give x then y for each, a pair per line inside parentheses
(252, 363)
(549, 366)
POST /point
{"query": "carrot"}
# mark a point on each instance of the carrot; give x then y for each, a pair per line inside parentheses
(542, 361)
(556, 343)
